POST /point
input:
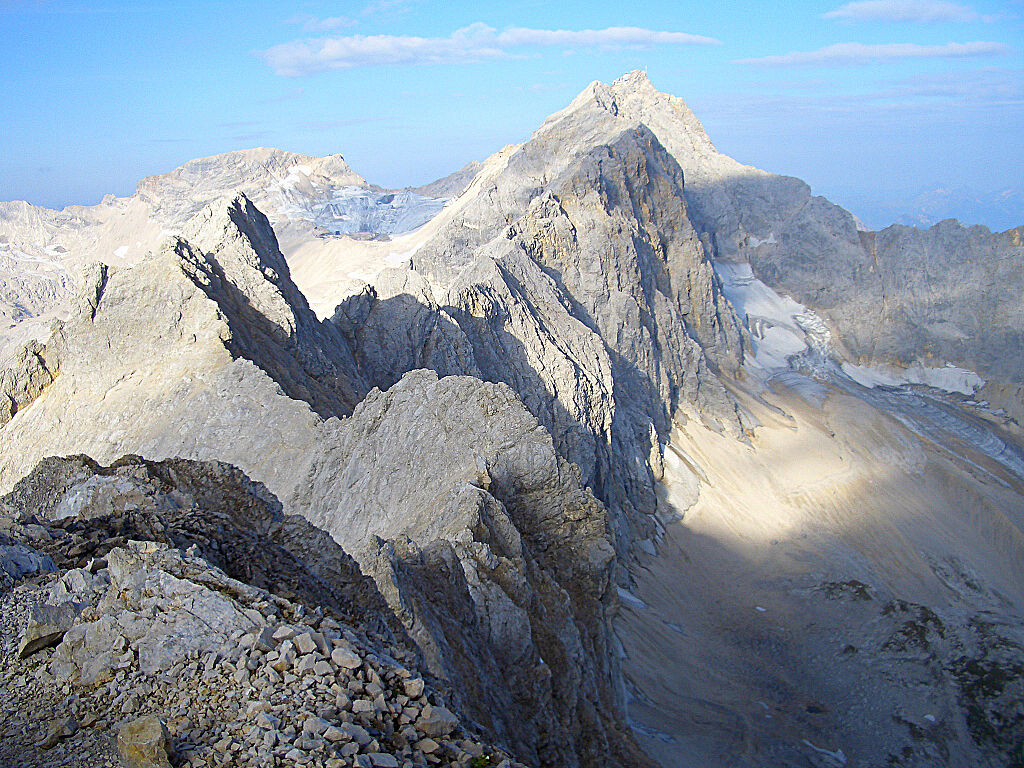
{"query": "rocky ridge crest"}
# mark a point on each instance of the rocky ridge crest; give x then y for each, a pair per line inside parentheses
(209, 352)
(569, 312)
(138, 618)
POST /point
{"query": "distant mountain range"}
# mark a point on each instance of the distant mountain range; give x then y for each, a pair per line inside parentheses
(998, 210)
(643, 456)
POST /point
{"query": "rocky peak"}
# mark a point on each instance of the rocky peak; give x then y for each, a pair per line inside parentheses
(245, 171)
(634, 98)
(245, 248)
(230, 251)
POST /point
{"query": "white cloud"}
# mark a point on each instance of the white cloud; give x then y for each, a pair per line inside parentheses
(476, 42)
(387, 7)
(314, 24)
(859, 53)
(517, 36)
(924, 11)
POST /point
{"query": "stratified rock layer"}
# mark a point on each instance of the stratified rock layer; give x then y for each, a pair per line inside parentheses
(208, 351)
(569, 310)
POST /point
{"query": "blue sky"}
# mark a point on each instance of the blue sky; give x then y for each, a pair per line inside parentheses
(874, 99)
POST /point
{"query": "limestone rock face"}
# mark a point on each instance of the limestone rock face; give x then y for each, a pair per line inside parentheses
(269, 176)
(238, 265)
(887, 294)
(484, 542)
(181, 350)
(569, 271)
(31, 371)
(361, 479)
(129, 666)
(42, 252)
(208, 351)
(192, 616)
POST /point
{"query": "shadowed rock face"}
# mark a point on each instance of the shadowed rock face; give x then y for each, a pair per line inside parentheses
(482, 539)
(574, 276)
(949, 293)
(569, 313)
(238, 525)
(208, 351)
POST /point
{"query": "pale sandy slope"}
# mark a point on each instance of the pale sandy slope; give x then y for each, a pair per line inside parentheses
(750, 638)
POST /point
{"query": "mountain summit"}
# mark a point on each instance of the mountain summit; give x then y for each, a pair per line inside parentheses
(638, 455)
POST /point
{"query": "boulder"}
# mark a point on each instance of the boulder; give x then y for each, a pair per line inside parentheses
(144, 743)
(19, 561)
(346, 658)
(436, 721)
(47, 625)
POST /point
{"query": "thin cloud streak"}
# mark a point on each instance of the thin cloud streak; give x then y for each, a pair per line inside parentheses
(316, 24)
(938, 97)
(919, 11)
(476, 42)
(387, 8)
(858, 53)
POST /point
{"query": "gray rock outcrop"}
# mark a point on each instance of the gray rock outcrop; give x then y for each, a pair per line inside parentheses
(236, 523)
(42, 251)
(570, 272)
(162, 347)
(46, 626)
(18, 561)
(496, 558)
(310, 199)
(29, 374)
(949, 293)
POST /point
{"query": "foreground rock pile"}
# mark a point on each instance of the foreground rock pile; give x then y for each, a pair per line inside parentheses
(151, 650)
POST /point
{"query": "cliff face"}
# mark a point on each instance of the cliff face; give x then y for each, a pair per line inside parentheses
(561, 389)
(449, 492)
(947, 294)
(570, 271)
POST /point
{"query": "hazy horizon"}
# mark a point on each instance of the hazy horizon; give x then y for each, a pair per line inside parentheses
(876, 104)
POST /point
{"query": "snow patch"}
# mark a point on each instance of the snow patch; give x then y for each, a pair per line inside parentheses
(781, 327)
(121, 251)
(355, 209)
(630, 599)
(948, 378)
(755, 242)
